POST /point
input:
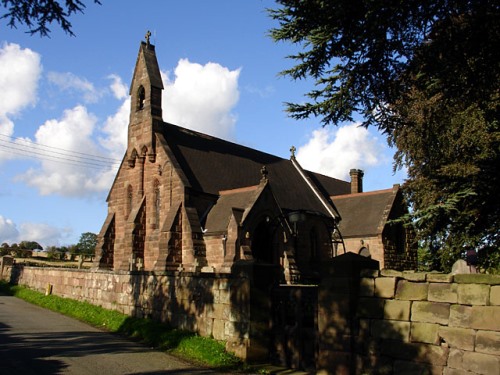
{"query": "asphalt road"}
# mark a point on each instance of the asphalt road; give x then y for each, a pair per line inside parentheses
(38, 341)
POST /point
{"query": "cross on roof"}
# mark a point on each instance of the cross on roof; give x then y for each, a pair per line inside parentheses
(148, 35)
(292, 150)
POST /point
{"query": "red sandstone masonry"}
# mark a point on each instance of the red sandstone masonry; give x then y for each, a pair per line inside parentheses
(197, 302)
(389, 327)
(440, 323)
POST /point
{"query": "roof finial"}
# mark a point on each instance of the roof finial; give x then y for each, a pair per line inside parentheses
(264, 173)
(148, 35)
(292, 151)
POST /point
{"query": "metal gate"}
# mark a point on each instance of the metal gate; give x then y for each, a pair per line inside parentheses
(294, 326)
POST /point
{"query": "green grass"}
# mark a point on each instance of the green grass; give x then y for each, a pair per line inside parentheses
(202, 350)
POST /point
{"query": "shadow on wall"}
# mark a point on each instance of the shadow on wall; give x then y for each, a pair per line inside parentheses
(16, 273)
(362, 330)
(360, 327)
(179, 299)
(360, 323)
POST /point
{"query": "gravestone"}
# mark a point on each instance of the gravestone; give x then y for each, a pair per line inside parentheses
(461, 267)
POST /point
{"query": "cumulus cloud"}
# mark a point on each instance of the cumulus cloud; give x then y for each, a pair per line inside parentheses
(42, 233)
(201, 97)
(71, 83)
(20, 71)
(115, 131)
(118, 88)
(6, 131)
(71, 172)
(334, 151)
(8, 231)
(19, 74)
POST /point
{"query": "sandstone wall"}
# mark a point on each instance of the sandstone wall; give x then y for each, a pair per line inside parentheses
(368, 322)
(399, 323)
(209, 304)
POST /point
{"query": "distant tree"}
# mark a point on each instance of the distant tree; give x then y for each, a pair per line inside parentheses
(87, 243)
(4, 248)
(426, 74)
(30, 245)
(52, 252)
(73, 251)
(37, 15)
(55, 252)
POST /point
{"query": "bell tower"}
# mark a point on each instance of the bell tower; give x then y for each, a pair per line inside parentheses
(145, 104)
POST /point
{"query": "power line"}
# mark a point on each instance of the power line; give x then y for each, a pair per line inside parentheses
(75, 162)
(85, 155)
(53, 154)
(46, 152)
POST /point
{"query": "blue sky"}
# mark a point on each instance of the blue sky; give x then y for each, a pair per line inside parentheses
(64, 106)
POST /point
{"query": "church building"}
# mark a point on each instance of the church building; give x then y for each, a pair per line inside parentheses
(189, 202)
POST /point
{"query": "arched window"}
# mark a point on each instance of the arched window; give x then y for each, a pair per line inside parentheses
(141, 97)
(128, 204)
(157, 203)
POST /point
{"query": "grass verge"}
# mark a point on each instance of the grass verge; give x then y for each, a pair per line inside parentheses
(201, 350)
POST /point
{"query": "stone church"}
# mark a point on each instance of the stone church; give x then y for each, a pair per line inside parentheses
(188, 202)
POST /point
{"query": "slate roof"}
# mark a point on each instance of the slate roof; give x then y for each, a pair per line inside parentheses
(364, 214)
(212, 165)
(241, 199)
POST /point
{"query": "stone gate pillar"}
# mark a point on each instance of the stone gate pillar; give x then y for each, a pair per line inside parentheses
(338, 295)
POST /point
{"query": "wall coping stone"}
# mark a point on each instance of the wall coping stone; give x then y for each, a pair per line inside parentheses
(133, 273)
(440, 277)
(391, 273)
(414, 276)
(477, 278)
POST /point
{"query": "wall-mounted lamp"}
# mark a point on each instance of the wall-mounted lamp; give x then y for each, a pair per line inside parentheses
(296, 217)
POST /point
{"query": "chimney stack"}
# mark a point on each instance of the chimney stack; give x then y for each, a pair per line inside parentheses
(356, 180)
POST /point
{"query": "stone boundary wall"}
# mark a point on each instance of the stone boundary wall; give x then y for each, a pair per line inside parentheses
(209, 304)
(389, 322)
(368, 322)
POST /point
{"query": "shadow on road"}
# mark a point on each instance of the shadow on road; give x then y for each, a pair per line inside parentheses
(27, 348)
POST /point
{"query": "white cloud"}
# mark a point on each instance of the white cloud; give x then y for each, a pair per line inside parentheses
(71, 83)
(8, 231)
(20, 71)
(201, 97)
(334, 151)
(6, 129)
(69, 173)
(116, 130)
(264, 93)
(42, 233)
(119, 89)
